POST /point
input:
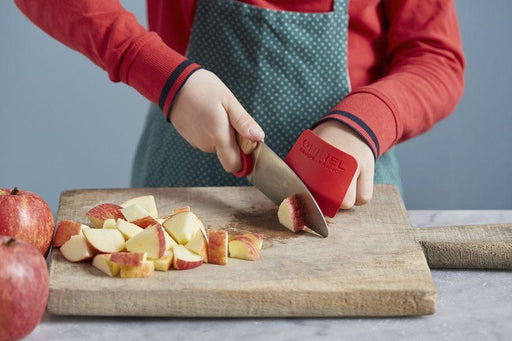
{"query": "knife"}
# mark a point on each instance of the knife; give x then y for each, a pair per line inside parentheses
(274, 178)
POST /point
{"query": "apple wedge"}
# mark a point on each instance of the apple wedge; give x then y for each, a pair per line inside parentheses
(110, 224)
(180, 210)
(66, 230)
(165, 262)
(290, 214)
(169, 241)
(129, 258)
(183, 226)
(199, 245)
(128, 230)
(151, 241)
(146, 201)
(98, 214)
(102, 262)
(105, 241)
(244, 249)
(147, 269)
(136, 214)
(77, 249)
(185, 259)
(255, 238)
(217, 247)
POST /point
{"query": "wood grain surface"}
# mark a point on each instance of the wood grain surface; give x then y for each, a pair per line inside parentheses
(467, 247)
(370, 265)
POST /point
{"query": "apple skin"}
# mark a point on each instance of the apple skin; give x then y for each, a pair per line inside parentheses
(244, 248)
(26, 216)
(23, 294)
(217, 247)
(254, 238)
(98, 214)
(65, 231)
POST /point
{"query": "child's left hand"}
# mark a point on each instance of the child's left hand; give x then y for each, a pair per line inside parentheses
(344, 138)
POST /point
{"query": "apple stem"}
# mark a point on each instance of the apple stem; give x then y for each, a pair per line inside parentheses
(15, 191)
(10, 241)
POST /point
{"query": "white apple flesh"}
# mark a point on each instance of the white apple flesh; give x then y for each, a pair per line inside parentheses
(183, 226)
(77, 249)
(185, 259)
(146, 201)
(290, 214)
(102, 262)
(151, 241)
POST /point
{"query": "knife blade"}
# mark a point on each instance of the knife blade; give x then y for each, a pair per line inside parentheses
(274, 178)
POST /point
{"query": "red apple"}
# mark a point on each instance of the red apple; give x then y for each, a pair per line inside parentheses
(23, 289)
(26, 216)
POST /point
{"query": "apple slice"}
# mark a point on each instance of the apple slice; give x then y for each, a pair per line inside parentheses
(77, 249)
(151, 241)
(160, 220)
(128, 230)
(199, 245)
(244, 249)
(105, 241)
(254, 238)
(169, 241)
(66, 230)
(129, 258)
(98, 214)
(136, 214)
(165, 262)
(102, 262)
(183, 226)
(180, 210)
(185, 259)
(109, 224)
(290, 214)
(146, 201)
(146, 270)
(217, 247)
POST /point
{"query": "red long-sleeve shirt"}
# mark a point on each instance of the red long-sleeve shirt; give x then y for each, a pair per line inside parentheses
(405, 57)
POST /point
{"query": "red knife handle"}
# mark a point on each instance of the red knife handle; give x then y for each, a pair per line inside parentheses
(247, 165)
(324, 169)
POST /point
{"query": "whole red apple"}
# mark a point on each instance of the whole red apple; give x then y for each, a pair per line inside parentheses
(23, 289)
(26, 216)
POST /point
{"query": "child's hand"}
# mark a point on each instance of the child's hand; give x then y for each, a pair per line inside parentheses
(344, 138)
(205, 113)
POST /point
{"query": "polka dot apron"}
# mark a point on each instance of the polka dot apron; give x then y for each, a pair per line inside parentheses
(287, 69)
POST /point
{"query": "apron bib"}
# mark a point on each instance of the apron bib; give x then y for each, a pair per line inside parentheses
(287, 69)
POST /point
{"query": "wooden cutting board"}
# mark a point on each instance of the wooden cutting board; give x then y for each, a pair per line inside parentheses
(370, 265)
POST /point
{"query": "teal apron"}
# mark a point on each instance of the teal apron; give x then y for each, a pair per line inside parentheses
(287, 69)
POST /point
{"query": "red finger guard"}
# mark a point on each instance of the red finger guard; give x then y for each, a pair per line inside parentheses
(324, 169)
(247, 164)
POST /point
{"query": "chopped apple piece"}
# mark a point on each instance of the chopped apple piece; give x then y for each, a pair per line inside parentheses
(77, 249)
(217, 247)
(180, 210)
(136, 214)
(66, 230)
(128, 230)
(169, 241)
(151, 241)
(98, 214)
(109, 224)
(255, 238)
(129, 258)
(185, 259)
(146, 201)
(183, 226)
(290, 214)
(105, 241)
(199, 245)
(146, 270)
(102, 262)
(165, 262)
(243, 249)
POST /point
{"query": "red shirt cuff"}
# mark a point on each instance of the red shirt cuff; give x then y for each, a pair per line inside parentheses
(370, 114)
(156, 71)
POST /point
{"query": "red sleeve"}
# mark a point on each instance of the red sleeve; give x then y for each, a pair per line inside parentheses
(112, 38)
(424, 78)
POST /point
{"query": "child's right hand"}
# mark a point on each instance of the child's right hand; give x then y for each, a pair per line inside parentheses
(206, 114)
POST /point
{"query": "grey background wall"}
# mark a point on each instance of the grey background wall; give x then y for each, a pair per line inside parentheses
(64, 125)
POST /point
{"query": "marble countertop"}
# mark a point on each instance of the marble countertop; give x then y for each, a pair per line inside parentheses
(471, 305)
